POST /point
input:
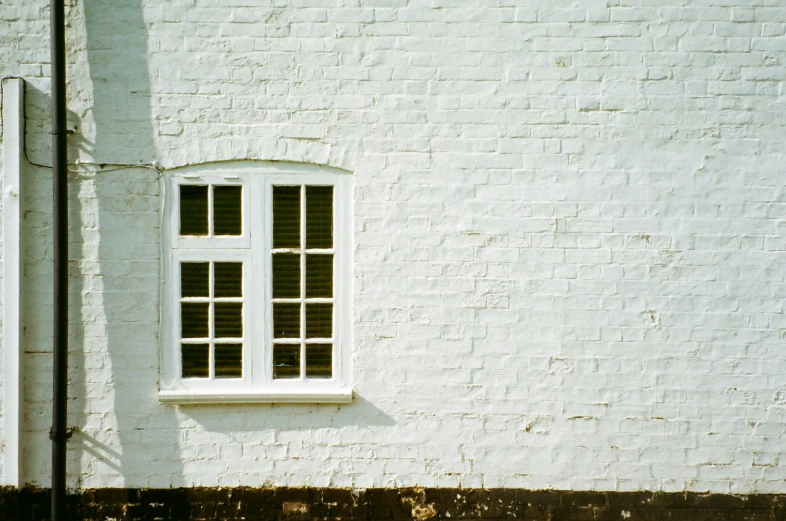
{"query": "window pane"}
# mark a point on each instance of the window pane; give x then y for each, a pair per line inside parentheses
(195, 360)
(286, 320)
(319, 217)
(228, 279)
(319, 276)
(227, 210)
(286, 275)
(319, 360)
(286, 217)
(228, 360)
(193, 210)
(193, 319)
(286, 361)
(229, 319)
(194, 279)
(319, 320)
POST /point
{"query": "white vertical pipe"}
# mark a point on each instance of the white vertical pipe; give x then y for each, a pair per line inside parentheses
(13, 159)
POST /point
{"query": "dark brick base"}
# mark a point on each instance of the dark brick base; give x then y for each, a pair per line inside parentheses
(296, 504)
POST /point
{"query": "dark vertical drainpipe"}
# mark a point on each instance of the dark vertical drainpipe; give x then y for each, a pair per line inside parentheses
(59, 432)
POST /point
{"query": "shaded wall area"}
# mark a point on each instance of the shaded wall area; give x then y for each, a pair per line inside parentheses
(113, 292)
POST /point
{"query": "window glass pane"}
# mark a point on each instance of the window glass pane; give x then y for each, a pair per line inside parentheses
(286, 361)
(195, 360)
(319, 320)
(195, 279)
(286, 217)
(319, 276)
(286, 275)
(193, 319)
(227, 210)
(228, 360)
(228, 279)
(319, 360)
(193, 210)
(286, 320)
(229, 319)
(319, 217)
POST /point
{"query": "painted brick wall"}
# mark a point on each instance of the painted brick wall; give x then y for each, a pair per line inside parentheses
(2, 362)
(569, 236)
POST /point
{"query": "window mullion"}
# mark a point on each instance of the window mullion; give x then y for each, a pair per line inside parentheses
(302, 281)
(264, 363)
(175, 315)
(339, 282)
(211, 323)
(210, 210)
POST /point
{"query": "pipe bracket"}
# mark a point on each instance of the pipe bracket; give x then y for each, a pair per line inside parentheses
(66, 435)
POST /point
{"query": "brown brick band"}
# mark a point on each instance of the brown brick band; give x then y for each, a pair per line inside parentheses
(295, 504)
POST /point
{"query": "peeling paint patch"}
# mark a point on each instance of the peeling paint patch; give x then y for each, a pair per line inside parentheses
(417, 502)
(290, 508)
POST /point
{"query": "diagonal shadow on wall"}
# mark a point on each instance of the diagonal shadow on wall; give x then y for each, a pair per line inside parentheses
(125, 434)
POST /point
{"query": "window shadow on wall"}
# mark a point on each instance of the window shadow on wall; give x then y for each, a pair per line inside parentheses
(311, 441)
(288, 417)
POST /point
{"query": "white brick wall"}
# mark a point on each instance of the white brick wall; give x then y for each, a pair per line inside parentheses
(3, 436)
(569, 236)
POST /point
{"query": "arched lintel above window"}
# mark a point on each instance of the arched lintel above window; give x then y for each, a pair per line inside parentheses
(201, 150)
(256, 167)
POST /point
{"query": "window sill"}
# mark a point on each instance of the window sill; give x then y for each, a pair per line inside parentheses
(332, 395)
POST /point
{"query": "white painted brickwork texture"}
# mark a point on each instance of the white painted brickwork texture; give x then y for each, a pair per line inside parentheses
(569, 236)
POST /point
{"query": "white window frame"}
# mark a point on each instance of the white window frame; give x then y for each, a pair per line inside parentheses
(253, 248)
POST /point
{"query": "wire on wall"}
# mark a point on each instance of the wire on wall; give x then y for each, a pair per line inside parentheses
(103, 168)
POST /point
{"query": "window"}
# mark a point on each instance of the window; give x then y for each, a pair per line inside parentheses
(256, 285)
